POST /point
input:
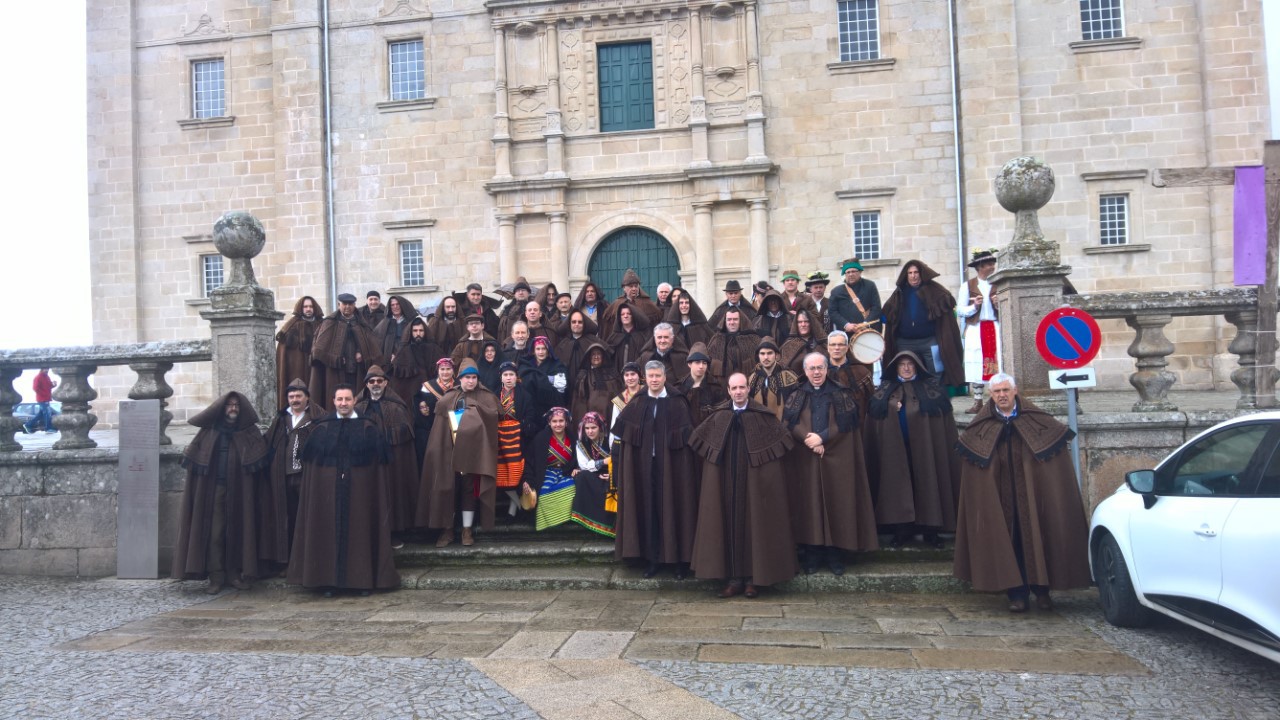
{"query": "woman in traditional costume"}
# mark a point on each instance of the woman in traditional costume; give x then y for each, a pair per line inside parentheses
(516, 424)
(595, 499)
(551, 464)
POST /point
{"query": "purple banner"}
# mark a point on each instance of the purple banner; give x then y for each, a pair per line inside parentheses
(1250, 226)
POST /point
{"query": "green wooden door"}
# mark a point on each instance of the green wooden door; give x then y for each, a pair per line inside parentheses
(625, 75)
(634, 247)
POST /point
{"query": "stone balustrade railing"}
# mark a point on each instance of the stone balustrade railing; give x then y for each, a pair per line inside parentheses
(1148, 313)
(74, 365)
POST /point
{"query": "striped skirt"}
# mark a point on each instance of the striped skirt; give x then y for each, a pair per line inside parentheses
(555, 499)
(510, 457)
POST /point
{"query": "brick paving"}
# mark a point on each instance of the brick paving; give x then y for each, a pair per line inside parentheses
(161, 649)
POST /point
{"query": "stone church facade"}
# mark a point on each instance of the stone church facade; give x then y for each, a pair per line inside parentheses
(413, 146)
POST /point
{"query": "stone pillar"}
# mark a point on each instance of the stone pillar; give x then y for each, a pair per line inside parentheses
(559, 249)
(74, 392)
(9, 425)
(1245, 347)
(755, 98)
(507, 249)
(151, 385)
(758, 234)
(242, 318)
(501, 120)
(1149, 349)
(698, 122)
(554, 134)
(704, 255)
(1028, 280)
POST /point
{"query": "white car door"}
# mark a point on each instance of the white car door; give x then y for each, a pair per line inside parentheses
(1250, 573)
(1177, 543)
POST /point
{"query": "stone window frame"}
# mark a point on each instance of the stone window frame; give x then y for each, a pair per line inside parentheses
(653, 108)
(879, 200)
(427, 101)
(1122, 41)
(404, 244)
(411, 230)
(883, 60)
(193, 53)
(651, 31)
(1129, 183)
(203, 289)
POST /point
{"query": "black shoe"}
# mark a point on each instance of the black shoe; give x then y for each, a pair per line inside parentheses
(901, 537)
(835, 563)
(932, 540)
(651, 570)
(682, 572)
(327, 593)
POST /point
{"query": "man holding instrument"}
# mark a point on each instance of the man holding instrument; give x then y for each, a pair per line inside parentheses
(855, 304)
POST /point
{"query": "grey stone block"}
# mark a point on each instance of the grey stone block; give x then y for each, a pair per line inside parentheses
(96, 562)
(23, 561)
(172, 477)
(69, 521)
(80, 478)
(10, 522)
(20, 479)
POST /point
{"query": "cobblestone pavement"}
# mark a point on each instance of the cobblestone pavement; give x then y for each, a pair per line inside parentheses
(160, 649)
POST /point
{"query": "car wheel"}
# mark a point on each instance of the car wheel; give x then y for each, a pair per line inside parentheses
(1115, 587)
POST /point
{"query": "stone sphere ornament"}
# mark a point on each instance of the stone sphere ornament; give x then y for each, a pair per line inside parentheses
(239, 236)
(1024, 183)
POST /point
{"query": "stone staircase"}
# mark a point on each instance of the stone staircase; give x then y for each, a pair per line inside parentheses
(569, 557)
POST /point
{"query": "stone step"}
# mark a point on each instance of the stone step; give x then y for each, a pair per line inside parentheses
(878, 577)
(573, 545)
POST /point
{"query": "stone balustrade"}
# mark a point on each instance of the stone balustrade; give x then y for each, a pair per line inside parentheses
(74, 365)
(1148, 313)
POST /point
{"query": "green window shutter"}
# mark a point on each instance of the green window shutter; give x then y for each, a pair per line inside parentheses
(625, 73)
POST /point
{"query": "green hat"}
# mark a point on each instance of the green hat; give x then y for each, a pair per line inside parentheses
(790, 275)
(850, 263)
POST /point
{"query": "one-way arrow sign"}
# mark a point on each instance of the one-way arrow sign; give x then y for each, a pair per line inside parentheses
(1077, 378)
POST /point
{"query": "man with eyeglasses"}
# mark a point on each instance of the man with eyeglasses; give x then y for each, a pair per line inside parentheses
(384, 408)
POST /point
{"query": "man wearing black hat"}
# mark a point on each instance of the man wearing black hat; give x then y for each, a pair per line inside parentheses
(702, 390)
(344, 349)
(733, 299)
(515, 309)
(981, 326)
(373, 311)
(770, 383)
(855, 304)
(816, 284)
(474, 302)
(278, 497)
(386, 409)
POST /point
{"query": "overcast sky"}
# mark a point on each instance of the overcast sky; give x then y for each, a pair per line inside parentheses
(45, 257)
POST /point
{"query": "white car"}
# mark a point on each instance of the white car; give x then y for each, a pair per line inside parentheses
(1197, 538)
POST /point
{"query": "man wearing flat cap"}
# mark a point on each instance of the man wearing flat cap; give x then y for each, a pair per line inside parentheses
(473, 301)
(514, 310)
(278, 497)
(634, 297)
(344, 349)
(733, 299)
(700, 389)
(855, 304)
(770, 384)
(472, 345)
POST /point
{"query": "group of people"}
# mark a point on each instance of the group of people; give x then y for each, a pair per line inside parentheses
(746, 447)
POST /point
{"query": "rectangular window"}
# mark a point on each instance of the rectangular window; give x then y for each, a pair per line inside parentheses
(626, 86)
(413, 271)
(211, 273)
(1113, 219)
(1101, 19)
(208, 89)
(859, 30)
(866, 235)
(408, 74)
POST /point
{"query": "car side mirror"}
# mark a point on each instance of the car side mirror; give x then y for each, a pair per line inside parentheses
(1143, 482)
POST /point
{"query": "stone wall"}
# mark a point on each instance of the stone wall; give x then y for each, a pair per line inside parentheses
(58, 511)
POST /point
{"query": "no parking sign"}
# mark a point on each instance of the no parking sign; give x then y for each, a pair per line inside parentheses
(1068, 338)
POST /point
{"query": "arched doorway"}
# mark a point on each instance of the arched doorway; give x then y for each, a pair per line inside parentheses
(633, 247)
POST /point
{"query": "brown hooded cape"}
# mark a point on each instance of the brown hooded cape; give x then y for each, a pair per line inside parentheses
(1019, 467)
(415, 363)
(246, 454)
(293, 347)
(474, 451)
(394, 417)
(941, 308)
(697, 331)
(595, 388)
(744, 526)
(334, 356)
(791, 353)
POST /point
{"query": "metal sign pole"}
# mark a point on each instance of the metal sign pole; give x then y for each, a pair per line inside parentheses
(1075, 436)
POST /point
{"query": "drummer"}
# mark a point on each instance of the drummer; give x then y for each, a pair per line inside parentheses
(855, 303)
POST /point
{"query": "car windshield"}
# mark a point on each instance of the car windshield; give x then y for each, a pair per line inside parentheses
(1217, 464)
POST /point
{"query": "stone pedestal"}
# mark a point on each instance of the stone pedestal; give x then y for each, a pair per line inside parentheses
(1022, 297)
(243, 317)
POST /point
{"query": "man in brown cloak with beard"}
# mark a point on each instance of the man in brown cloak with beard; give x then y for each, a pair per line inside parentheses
(733, 348)
(382, 406)
(217, 523)
(416, 361)
(460, 467)
(656, 477)
(344, 349)
(744, 527)
(830, 496)
(920, 316)
(293, 345)
(278, 497)
(343, 538)
(1022, 526)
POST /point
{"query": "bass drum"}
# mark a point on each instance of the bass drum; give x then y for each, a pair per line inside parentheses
(867, 346)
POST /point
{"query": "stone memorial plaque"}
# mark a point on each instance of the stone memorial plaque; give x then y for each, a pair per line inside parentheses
(138, 500)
